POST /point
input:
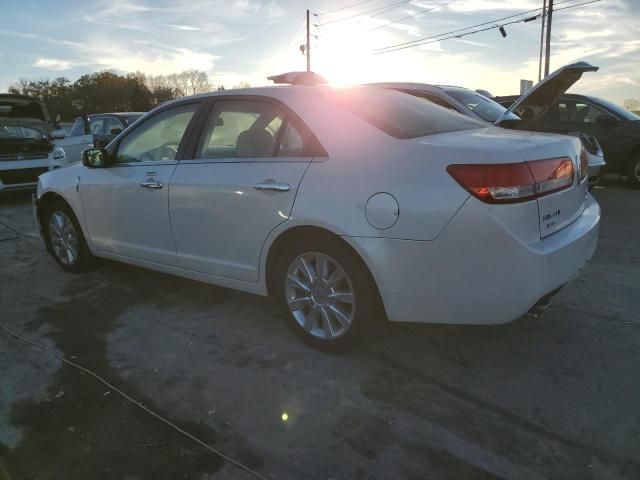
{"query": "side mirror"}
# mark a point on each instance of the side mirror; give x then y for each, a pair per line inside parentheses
(606, 120)
(58, 134)
(115, 131)
(95, 158)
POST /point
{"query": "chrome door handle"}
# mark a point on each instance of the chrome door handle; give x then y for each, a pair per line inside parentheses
(152, 184)
(276, 187)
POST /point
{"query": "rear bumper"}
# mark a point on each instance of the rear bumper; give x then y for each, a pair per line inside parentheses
(476, 272)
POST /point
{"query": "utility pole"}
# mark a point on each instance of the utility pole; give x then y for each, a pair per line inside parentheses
(544, 18)
(548, 53)
(308, 44)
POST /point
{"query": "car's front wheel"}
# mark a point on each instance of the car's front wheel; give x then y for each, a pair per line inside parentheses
(64, 238)
(634, 171)
(326, 291)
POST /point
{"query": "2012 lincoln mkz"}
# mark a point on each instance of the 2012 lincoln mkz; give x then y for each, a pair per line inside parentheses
(340, 203)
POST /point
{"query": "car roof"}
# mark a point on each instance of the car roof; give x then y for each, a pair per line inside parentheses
(406, 85)
(279, 92)
(116, 114)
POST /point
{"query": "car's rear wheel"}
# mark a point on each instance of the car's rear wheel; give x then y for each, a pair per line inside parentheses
(326, 292)
(634, 171)
(64, 238)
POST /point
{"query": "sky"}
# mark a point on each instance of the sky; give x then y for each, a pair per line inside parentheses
(247, 40)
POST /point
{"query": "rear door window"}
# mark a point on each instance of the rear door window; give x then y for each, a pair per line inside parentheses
(249, 129)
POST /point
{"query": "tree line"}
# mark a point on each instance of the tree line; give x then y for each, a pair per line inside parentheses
(106, 91)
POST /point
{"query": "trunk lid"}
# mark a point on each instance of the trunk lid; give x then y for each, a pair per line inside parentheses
(535, 103)
(532, 218)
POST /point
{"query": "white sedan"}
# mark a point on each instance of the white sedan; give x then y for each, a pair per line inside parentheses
(341, 204)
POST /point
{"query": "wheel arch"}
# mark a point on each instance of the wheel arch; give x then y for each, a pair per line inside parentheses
(280, 243)
(46, 199)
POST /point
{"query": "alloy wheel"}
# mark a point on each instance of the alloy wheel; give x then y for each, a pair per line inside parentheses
(320, 295)
(63, 238)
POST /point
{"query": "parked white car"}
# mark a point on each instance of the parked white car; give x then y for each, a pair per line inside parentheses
(340, 203)
(26, 150)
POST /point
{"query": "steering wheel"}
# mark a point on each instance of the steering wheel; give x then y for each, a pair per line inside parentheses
(168, 149)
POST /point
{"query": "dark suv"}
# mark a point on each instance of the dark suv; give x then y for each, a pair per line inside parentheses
(617, 130)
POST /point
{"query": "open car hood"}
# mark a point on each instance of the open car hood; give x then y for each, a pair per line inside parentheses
(546, 92)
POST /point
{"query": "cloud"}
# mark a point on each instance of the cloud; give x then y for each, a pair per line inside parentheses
(184, 28)
(52, 64)
(153, 60)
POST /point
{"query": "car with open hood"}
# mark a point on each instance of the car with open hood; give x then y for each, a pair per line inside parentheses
(479, 106)
(26, 148)
(343, 204)
(617, 130)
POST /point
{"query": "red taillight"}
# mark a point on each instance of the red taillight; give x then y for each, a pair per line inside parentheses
(584, 165)
(514, 182)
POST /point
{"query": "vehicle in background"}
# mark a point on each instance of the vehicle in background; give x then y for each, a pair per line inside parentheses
(401, 207)
(94, 130)
(476, 104)
(26, 150)
(617, 129)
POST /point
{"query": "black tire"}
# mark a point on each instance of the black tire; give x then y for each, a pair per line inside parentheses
(366, 306)
(84, 260)
(633, 171)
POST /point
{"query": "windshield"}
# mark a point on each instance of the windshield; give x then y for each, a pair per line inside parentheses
(617, 109)
(13, 132)
(399, 114)
(482, 106)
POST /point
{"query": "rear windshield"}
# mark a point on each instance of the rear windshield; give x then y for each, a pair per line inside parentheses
(482, 106)
(399, 114)
(21, 109)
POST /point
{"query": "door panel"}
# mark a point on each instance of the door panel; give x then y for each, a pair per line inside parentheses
(242, 184)
(126, 206)
(219, 219)
(125, 218)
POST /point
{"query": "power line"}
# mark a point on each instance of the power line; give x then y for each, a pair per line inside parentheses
(344, 8)
(380, 11)
(423, 41)
(411, 16)
(451, 35)
(292, 41)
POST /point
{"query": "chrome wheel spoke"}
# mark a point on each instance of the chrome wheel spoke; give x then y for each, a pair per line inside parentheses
(336, 277)
(339, 315)
(295, 282)
(298, 303)
(310, 320)
(329, 331)
(322, 267)
(345, 297)
(306, 268)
